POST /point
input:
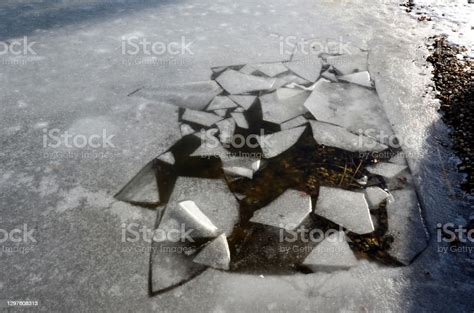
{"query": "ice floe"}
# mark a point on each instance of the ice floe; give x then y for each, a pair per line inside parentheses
(277, 143)
(288, 211)
(346, 208)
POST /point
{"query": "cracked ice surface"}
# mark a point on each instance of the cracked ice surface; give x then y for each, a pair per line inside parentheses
(194, 96)
(283, 105)
(236, 83)
(353, 107)
(335, 136)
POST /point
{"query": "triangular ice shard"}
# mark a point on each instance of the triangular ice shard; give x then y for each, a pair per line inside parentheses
(212, 197)
(288, 79)
(308, 68)
(184, 220)
(215, 254)
(221, 102)
(280, 106)
(237, 83)
(221, 113)
(297, 121)
(348, 64)
(359, 78)
(167, 157)
(346, 208)
(270, 69)
(335, 136)
(288, 211)
(186, 130)
(243, 100)
(210, 147)
(171, 264)
(143, 188)
(375, 196)
(277, 143)
(240, 120)
(201, 118)
(333, 253)
(194, 96)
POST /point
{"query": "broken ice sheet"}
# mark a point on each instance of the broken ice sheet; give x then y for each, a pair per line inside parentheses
(335, 136)
(209, 195)
(143, 188)
(167, 157)
(270, 69)
(348, 64)
(329, 75)
(345, 208)
(194, 96)
(387, 170)
(221, 102)
(308, 67)
(240, 120)
(289, 78)
(245, 101)
(333, 253)
(283, 105)
(288, 211)
(183, 217)
(215, 254)
(297, 121)
(171, 264)
(359, 78)
(406, 226)
(210, 146)
(186, 130)
(277, 143)
(353, 107)
(375, 196)
(201, 118)
(221, 113)
(237, 83)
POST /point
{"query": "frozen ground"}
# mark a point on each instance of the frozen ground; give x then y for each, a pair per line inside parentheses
(78, 81)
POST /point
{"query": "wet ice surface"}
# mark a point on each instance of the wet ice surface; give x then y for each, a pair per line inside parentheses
(282, 175)
(84, 223)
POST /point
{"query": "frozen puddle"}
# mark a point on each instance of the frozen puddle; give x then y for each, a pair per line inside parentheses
(279, 170)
